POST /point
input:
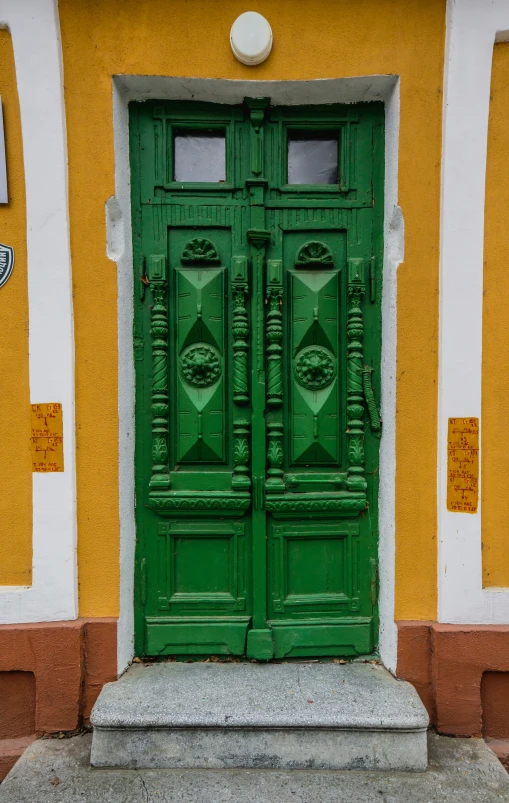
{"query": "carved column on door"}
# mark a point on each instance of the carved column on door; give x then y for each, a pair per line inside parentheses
(157, 276)
(355, 393)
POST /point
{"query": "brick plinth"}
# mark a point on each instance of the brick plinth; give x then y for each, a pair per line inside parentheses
(446, 664)
(50, 676)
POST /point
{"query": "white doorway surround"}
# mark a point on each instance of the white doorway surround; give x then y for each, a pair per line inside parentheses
(335, 90)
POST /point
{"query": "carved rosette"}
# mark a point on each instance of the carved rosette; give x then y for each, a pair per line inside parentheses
(314, 368)
(159, 329)
(355, 394)
(200, 366)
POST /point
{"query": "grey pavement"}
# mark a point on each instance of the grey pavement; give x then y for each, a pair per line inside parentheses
(58, 771)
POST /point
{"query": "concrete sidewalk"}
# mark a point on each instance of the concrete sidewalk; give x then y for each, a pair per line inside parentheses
(58, 771)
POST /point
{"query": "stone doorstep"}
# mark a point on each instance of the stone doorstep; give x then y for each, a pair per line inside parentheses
(11, 750)
(501, 749)
(59, 771)
(272, 716)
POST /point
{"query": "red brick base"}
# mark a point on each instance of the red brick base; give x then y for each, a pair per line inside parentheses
(50, 676)
(446, 664)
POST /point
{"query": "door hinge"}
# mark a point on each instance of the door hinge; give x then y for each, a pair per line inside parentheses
(373, 586)
(372, 280)
(143, 581)
(144, 281)
(138, 342)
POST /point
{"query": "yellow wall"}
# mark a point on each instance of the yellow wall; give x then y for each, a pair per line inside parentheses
(15, 460)
(313, 39)
(495, 368)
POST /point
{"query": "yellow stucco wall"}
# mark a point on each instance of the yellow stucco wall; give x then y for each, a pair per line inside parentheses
(495, 420)
(15, 459)
(312, 39)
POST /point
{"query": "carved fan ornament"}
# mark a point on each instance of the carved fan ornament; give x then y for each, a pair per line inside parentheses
(200, 251)
(314, 368)
(200, 366)
(314, 253)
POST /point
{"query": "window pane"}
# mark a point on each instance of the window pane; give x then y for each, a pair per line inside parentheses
(312, 158)
(200, 156)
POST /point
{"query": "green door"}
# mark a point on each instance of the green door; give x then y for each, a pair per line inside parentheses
(257, 243)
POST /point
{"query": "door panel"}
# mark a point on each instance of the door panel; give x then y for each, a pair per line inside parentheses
(257, 353)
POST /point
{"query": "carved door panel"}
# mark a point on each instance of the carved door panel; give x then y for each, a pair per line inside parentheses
(257, 345)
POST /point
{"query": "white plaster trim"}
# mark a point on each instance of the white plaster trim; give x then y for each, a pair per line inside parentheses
(337, 90)
(35, 32)
(472, 28)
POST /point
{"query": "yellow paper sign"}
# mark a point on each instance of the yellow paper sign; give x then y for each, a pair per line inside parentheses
(47, 438)
(463, 465)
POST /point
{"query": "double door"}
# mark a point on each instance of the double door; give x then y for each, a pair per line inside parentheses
(257, 256)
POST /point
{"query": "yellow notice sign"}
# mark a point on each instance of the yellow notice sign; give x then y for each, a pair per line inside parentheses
(47, 438)
(463, 465)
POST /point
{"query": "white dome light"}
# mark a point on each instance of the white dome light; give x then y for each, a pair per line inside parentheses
(251, 38)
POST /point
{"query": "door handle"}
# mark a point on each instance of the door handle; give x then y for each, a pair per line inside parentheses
(374, 417)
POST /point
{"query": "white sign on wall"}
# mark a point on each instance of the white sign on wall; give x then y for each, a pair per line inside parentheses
(6, 262)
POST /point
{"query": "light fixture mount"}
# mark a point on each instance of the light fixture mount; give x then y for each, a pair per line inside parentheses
(251, 38)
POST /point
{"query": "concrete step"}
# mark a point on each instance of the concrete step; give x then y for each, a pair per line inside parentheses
(245, 715)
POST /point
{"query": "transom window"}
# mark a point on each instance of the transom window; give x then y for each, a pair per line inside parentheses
(199, 156)
(313, 157)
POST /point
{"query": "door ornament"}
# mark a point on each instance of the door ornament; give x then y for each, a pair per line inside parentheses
(274, 337)
(157, 274)
(354, 381)
(314, 368)
(314, 253)
(240, 329)
(374, 416)
(200, 251)
(240, 479)
(200, 366)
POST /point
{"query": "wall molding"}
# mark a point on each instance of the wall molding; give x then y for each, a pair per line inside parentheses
(473, 26)
(34, 27)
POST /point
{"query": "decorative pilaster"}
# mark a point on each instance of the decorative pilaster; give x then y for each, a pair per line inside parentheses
(240, 330)
(274, 335)
(240, 479)
(355, 394)
(157, 275)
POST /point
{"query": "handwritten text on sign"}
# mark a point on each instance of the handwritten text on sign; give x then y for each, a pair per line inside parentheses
(47, 438)
(463, 465)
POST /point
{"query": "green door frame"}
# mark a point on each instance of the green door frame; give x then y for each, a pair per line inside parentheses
(267, 484)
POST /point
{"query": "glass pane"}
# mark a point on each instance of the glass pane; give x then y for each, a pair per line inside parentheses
(312, 158)
(200, 156)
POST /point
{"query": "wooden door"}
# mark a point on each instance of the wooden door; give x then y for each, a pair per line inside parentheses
(257, 252)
